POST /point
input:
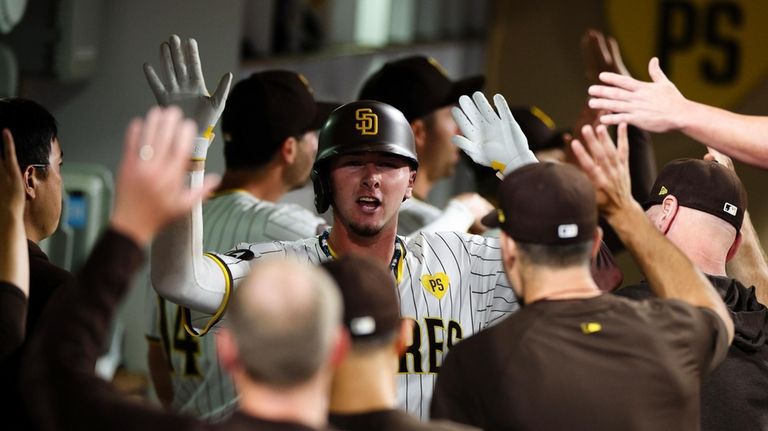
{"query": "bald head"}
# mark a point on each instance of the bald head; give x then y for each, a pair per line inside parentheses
(284, 317)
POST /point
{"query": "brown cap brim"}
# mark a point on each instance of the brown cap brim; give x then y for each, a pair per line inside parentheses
(462, 87)
(491, 219)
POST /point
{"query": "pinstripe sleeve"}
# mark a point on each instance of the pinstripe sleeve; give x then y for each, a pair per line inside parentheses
(487, 271)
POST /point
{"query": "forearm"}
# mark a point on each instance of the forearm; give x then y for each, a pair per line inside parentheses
(14, 260)
(179, 271)
(669, 272)
(742, 137)
(455, 218)
(749, 265)
(642, 162)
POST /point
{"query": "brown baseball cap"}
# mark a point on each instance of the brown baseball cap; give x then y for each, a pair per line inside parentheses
(546, 203)
(702, 185)
(417, 85)
(371, 306)
(538, 127)
(265, 109)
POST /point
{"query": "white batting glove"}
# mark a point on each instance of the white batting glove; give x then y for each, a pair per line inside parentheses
(185, 87)
(491, 139)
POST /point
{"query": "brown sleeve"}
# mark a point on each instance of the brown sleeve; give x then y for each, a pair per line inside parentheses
(713, 337)
(58, 381)
(13, 318)
(451, 399)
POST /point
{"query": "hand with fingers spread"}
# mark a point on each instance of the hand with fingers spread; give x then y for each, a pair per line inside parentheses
(655, 106)
(601, 54)
(152, 186)
(607, 167)
(184, 86)
(491, 139)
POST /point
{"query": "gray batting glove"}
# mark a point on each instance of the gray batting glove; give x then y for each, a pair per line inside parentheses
(185, 87)
(491, 139)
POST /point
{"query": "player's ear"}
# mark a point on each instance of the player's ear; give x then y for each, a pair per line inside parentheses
(288, 149)
(419, 134)
(669, 207)
(411, 182)
(598, 239)
(226, 349)
(405, 337)
(340, 347)
(30, 182)
(734, 247)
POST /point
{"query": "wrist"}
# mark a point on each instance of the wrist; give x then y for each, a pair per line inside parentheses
(626, 219)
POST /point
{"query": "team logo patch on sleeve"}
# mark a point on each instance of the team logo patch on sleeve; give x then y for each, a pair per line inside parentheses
(436, 284)
(241, 254)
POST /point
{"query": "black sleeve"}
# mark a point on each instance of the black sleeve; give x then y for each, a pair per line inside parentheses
(642, 172)
(13, 318)
(58, 381)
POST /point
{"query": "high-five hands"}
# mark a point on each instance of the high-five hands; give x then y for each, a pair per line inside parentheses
(152, 185)
(491, 139)
(184, 86)
(607, 166)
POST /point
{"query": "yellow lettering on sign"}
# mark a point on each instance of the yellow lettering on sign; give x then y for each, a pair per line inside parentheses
(436, 284)
(367, 121)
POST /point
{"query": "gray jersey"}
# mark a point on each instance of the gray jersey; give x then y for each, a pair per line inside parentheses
(451, 284)
(200, 387)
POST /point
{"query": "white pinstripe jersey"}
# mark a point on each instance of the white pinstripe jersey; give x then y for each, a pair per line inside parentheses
(200, 387)
(451, 284)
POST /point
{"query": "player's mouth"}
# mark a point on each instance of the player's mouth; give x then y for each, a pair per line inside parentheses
(368, 204)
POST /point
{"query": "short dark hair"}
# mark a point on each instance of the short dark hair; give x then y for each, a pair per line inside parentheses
(33, 128)
(555, 256)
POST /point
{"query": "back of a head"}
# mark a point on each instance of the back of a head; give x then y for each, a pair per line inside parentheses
(371, 308)
(550, 211)
(702, 185)
(33, 128)
(416, 86)
(284, 318)
(365, 126)
(264, 110)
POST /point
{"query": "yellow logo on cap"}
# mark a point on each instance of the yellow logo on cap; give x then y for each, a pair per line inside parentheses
(436, 64)
(367, 121)
(502, 217)
(436, 284)
(304, 81)
(663, 191)
(591, 327)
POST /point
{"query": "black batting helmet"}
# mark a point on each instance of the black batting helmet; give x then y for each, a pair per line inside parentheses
(360, 127)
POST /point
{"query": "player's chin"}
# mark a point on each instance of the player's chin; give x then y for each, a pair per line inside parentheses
(365, 229)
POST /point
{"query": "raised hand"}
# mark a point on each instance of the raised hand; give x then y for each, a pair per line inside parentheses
(601, 54)
(11, 183)
(655, 106)
(184, 86)
(606, 165)
(491, 139)
(152, 186)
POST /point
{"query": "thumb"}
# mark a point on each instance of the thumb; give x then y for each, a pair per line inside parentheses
(654, 70)
(222, 90)
(469, 147)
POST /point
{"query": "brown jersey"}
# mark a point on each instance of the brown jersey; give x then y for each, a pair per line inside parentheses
(604, 363)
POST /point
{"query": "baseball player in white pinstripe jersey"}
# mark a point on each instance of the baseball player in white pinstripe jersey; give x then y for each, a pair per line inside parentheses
(450, 284)
(269, 126)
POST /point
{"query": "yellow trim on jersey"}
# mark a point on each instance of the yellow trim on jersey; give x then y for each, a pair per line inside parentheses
(330, 250)
(228, 192)
(399, 269)
(222, 307)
